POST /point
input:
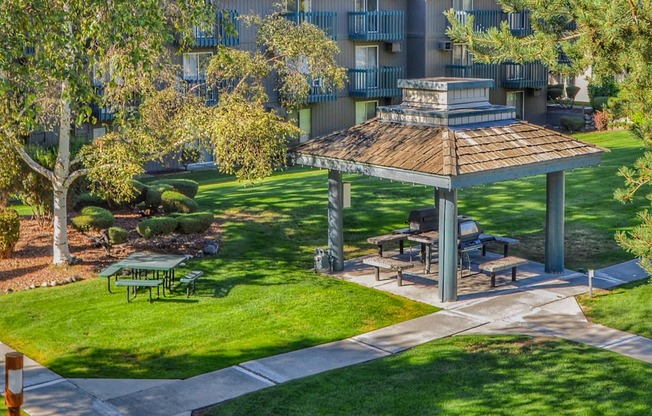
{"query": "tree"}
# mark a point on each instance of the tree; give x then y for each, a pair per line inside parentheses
(613, 39)
(54, 52)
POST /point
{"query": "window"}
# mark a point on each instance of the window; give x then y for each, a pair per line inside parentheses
(366, 22)
(516, 99)
(365, 110)
(303, 120)
(463, 4)
(194, 65)
(461, 55)
(366, 57)
(298, 6)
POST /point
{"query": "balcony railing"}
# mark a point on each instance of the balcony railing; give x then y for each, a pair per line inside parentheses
(101, 114)
(375, 82)
(225, 32)
(530, 75)
(377, 26)
(326, 21)
(319, 94)
(519, 23)
(509, 75)
(200, 88)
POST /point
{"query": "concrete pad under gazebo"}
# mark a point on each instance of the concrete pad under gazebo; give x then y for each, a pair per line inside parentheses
(447, 135)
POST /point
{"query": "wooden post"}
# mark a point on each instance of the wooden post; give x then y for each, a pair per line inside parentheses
(14, 382)
(336, 220)
(555, 200)
(448, 245)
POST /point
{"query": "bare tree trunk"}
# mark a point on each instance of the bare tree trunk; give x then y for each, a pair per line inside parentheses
(61, 250)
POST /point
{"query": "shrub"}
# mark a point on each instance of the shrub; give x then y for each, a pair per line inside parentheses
(601, 120)
(571, 91)
(93, 218)
(555, 92)
(608, 88)
(118, 235)
(185, 186)
(86, 199)
(189, 155)
(572, 123)
(156, 226)
(174, 201)
(140, 193)
(193, 223)
(153, 195)
(9, 232)
(600, 102)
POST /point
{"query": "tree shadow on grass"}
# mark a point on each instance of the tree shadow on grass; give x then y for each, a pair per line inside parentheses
(91, 362)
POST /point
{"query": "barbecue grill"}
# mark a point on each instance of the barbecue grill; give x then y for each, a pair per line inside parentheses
(422, 220)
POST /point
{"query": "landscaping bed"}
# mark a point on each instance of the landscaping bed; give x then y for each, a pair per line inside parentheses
(31, 263)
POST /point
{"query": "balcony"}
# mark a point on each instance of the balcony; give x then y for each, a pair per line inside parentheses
(508, 75)
(101, 114)
(326, 21)
(530, 75)
(519, 23)
(385, 26)
(489, 71)
(221, 33)
(319, 94)
(200, 88)
(375, 82)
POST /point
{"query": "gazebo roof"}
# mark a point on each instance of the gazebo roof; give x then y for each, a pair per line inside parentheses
(447, 155)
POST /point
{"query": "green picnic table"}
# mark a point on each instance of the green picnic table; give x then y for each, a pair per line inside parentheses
(158, 263)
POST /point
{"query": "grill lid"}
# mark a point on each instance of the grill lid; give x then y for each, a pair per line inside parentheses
(424, 219)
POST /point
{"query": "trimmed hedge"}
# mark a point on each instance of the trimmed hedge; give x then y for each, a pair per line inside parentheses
(572, 123)
(140, 194)
(118, 235)
(93, 218)
(600, 102)
(193, 223)
(9, 231)
(185, 186)
(173, 201)
(153, 195)
(156, 226)
(86, 200)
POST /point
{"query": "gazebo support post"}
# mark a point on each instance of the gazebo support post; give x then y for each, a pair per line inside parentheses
(447, 245)
(336, 220)
(555, 200)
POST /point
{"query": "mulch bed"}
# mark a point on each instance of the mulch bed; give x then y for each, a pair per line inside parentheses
(31, 263)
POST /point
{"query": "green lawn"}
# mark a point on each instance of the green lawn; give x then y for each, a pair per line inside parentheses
(258, 297)
(627, 307)
(466, 376)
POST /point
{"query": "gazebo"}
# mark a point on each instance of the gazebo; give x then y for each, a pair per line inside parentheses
(447, 135)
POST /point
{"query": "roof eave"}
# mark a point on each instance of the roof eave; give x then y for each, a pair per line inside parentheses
(372, 170)
(515, 172)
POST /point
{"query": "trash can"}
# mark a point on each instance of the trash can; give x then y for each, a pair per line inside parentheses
(322, 260)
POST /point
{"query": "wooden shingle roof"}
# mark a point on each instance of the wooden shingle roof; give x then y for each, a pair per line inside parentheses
(447, 151)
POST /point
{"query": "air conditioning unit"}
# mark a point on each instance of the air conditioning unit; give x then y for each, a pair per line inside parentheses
(445, 45)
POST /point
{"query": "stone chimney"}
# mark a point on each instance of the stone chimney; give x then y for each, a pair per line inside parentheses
(446, 102)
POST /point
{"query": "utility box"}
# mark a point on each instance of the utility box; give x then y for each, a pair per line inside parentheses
(322, 260)
(346, 193)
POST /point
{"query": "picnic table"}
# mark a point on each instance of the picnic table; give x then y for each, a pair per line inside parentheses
(430, 238)
(158, 263)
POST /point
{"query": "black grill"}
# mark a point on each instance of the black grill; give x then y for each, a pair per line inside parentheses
(425, 219)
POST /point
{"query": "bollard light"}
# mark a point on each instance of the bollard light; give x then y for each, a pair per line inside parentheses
(14, 382)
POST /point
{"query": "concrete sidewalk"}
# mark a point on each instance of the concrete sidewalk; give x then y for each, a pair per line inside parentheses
(537, 304)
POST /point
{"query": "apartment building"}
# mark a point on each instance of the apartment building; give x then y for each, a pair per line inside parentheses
(381, 41)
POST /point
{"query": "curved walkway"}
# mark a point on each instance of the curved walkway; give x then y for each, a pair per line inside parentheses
(538, 304)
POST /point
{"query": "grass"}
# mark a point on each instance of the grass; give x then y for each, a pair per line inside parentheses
(470, 375)
(628, 307)
(258, 297)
